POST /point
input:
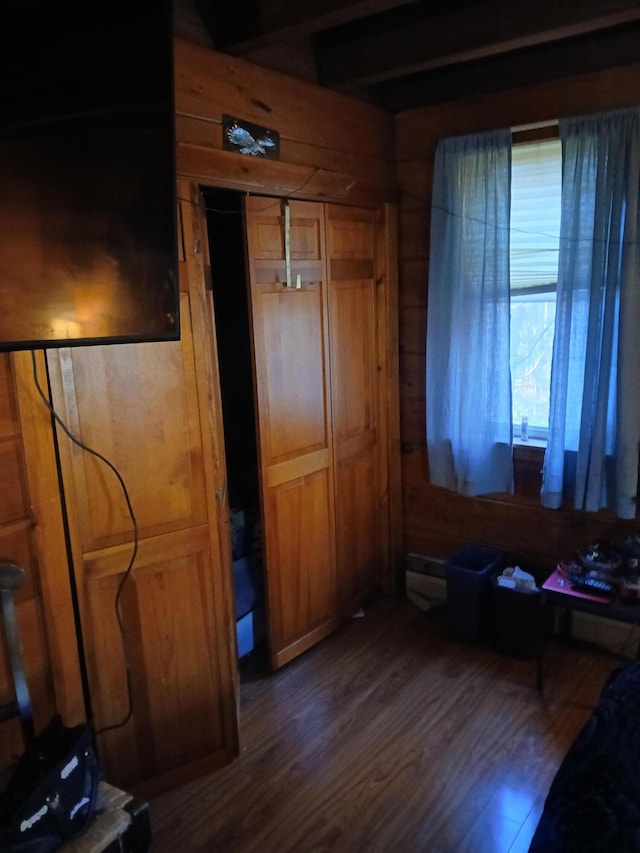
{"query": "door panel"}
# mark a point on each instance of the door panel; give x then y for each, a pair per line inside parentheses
(353, 341)
(148, 429)
(306, 605)
(291, 346)
(357, 527)
(166, 608)
(289, 332)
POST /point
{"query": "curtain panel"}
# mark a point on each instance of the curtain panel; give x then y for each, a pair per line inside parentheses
(468, 386)
(594, 421)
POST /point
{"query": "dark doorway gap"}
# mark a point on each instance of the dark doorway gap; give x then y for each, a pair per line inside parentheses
(225, 226)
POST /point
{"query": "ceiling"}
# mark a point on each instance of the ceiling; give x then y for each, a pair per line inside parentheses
(402, 54)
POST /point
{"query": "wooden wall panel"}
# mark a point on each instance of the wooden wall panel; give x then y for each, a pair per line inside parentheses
(390, 506)
(16, 545)
(414, 275)
(210, 84)
(412, 411)
(331, 146)
(8, 414)
(231, 170)
(47, 539)
(14, 500)
(25, 505)
(435, 521)
(417, 131)
(204, 133)
(413, 329)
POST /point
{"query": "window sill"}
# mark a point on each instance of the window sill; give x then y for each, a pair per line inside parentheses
(530, 442)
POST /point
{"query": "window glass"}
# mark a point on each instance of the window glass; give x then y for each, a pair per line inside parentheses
(532, 323)
(534, 244)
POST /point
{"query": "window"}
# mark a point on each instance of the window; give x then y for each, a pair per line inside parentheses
(483, 261)
(536, 176)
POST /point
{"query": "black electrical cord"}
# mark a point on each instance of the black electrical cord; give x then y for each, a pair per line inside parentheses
(127, 573)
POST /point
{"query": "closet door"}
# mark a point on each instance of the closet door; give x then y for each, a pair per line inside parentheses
(350, 236)
(152, 409)
(290, 340)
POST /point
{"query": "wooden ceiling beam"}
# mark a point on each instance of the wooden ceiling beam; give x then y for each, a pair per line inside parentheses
(311, 16)
(592, 53)
(266, 21)
(422, 42)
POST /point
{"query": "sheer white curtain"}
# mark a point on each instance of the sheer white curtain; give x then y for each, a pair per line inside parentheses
(594, 421)
(469, 428)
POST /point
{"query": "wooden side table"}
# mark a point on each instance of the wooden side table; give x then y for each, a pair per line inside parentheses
(570, 602)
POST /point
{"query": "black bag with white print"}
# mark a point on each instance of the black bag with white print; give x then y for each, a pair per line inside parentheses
(51, 795)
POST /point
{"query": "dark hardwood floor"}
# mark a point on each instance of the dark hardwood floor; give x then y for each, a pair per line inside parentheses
(389, 736)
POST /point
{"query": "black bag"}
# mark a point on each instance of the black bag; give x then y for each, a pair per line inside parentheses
(51, 795)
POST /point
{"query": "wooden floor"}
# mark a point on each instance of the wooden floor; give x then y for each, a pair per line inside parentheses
(389, 736)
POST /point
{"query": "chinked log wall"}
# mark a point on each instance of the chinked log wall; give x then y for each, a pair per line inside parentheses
(435, 521)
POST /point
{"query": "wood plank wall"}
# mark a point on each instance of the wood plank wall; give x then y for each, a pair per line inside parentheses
(437, 522)
(31, 535)
(332, 148)
(16, 545)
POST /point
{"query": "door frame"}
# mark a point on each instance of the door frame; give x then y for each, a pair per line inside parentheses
(387, 340)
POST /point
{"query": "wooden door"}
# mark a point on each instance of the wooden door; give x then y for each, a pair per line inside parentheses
(152, 409)
(290, 342)
(353, 329)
